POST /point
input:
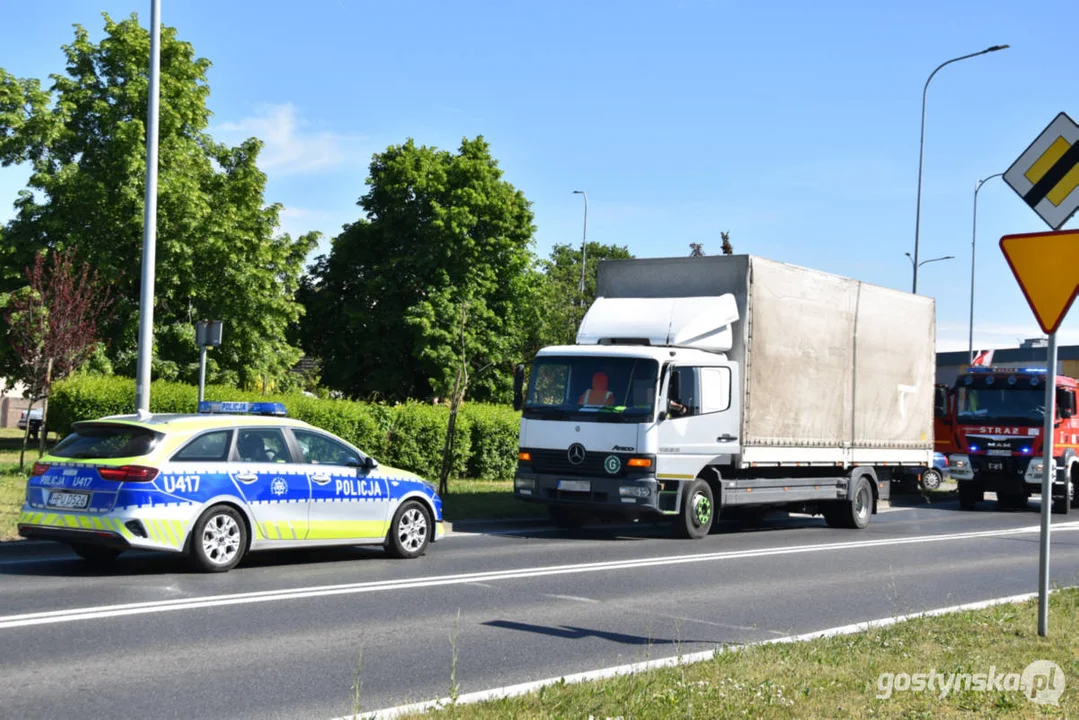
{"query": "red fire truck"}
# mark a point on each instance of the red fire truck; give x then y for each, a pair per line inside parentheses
(996, 430)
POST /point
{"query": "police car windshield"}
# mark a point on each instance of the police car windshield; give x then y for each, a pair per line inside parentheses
(600, 389)
(99, 442)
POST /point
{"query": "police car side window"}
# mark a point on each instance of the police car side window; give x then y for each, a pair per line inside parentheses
(262, 445)
(320, 450)
(209, 447)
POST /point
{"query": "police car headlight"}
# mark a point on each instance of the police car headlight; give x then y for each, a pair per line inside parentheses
(632, 491)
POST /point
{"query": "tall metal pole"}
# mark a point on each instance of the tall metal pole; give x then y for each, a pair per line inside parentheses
(149, 228)
(202, 372)
(973, 245)
(921, 153)
(584, 242)
(1049, 470)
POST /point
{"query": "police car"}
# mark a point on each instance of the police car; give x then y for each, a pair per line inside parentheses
(237, 477)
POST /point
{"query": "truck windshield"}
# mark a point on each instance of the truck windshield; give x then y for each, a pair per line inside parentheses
(1015, 404)
(603, 389)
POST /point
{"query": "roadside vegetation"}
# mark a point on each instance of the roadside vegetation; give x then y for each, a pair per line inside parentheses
(12, 480)
(837, 677)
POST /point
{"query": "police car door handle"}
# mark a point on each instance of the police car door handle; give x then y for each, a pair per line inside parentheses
(247, 477)
(320, 479)
(726, 437)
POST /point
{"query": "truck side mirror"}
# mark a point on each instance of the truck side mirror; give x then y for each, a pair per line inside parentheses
(940, 404)
(1066, 403)
(518, 386)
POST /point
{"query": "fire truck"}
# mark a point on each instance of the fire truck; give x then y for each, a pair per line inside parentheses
(995, 429)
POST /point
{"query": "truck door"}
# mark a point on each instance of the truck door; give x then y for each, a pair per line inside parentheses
(705, 432)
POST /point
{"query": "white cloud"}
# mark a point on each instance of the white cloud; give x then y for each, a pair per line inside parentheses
(291, 148)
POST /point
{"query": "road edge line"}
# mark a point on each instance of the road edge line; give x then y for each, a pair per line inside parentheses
(509, 691)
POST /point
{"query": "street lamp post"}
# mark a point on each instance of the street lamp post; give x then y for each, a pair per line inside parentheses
(921, 153)
(149, 220)
(973, 242)
(584, 241)
(926, 262)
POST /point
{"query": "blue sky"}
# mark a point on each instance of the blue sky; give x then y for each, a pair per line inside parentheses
(793, 125)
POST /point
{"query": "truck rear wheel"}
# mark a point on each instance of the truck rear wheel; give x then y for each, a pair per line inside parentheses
(698, 511)
(852, 514)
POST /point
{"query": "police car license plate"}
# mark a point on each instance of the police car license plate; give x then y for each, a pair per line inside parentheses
(575, 485)
(68, 500)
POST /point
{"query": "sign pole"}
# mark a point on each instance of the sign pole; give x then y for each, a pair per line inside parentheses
(1049, 470)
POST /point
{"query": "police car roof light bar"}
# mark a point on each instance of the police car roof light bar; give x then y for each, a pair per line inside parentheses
(215, 407)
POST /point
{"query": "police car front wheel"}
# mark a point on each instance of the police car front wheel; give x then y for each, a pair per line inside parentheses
(219, 540)
(410, 531)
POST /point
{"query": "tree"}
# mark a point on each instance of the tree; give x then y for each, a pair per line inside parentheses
(727, 248)
(563, 304)
(440, 231)
(217, 252)
(53, 325)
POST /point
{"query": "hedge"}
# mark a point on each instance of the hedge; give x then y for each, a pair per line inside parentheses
(408, 436)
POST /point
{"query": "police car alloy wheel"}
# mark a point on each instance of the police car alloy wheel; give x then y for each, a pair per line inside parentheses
(410, 531)
(220, 539)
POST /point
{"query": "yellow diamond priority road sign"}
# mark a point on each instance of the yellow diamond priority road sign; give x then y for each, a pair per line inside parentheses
(1045, 265)
(1046, 176)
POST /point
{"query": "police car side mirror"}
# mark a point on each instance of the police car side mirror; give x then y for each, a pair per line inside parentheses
(369, 463)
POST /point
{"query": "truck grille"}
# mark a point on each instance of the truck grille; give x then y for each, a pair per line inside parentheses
(556, 462)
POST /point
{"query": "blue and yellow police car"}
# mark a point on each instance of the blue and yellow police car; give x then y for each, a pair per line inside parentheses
(234, 478)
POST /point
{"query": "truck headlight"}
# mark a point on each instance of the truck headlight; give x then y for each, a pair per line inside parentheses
(632, 491)
(960, 464)
(1038, 467)
(523, 483)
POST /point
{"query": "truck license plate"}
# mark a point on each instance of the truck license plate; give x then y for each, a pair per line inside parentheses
(575, 485)
(996, 465)
(77, 501)
(999, 452)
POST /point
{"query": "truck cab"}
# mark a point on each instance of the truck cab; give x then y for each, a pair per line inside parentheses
(999, 422)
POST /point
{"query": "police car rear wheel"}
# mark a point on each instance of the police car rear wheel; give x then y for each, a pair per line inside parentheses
(219, 540)
(410, 531)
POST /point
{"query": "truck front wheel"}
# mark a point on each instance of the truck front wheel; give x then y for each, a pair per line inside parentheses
(854, 513)
(698, 511)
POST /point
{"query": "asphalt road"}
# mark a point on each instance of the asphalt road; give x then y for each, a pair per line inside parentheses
(282, 636)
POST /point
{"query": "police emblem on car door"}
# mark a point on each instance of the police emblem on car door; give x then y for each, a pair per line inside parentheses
(277, 489)
(346, 501)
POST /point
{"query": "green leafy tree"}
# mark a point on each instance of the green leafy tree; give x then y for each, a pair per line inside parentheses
(442, 231)
(218, 254)
(563, 304)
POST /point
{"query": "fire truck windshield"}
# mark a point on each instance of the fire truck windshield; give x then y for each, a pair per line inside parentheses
(1019, 405)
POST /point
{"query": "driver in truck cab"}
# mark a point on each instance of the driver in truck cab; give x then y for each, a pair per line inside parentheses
(598, 394)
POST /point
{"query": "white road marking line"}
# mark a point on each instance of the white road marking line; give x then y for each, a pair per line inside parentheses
(571, 598)
(8, 622)
(639, 667)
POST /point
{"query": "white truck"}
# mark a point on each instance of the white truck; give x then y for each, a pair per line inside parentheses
(697, 384)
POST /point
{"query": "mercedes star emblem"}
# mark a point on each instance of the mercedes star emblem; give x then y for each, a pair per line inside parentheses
(576, 453)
